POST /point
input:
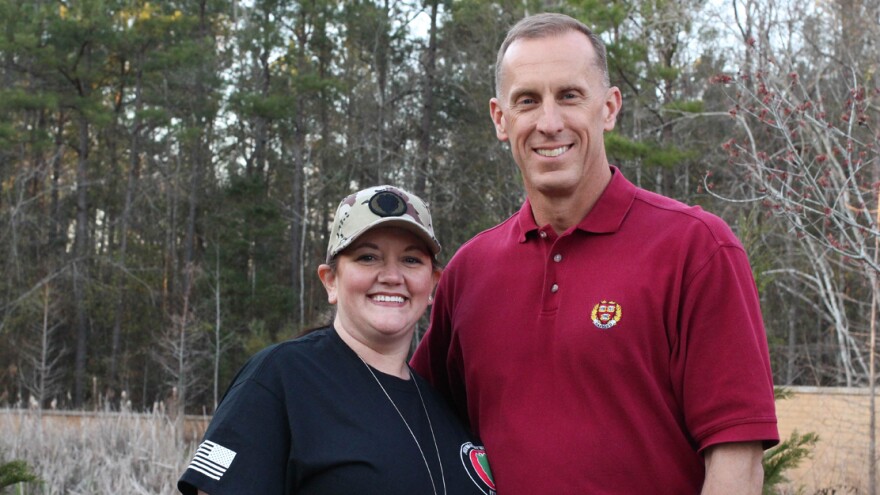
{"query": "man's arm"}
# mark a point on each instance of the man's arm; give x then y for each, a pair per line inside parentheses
(734, 469)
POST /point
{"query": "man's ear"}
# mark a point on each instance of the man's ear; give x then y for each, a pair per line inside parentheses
(613, 102)
(497, 115)
(328, 277)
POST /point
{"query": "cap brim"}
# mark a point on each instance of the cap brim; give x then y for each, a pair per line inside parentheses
(432, 244)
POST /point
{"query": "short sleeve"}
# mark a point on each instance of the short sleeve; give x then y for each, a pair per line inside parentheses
(721, 364)
(246, 446)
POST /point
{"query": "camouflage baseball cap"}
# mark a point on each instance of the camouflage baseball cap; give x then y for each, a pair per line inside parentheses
(380, 206)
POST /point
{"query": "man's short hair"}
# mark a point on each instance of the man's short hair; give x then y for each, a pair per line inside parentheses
(544, 26)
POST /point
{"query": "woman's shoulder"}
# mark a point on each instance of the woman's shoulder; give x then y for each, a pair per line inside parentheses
(291, 353)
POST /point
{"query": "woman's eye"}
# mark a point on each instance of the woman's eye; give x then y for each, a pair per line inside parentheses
(413, 260)
(366, 257)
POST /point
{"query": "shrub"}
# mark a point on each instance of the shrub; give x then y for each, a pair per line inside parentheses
(787, 455)
(15, 472)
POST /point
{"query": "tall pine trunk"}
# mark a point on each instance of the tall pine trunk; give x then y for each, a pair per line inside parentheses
(79, 265)
(430, 66)
(133, 173)
(297, 203)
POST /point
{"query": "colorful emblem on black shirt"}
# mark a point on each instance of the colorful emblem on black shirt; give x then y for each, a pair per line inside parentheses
(606, 314)
(476, 463)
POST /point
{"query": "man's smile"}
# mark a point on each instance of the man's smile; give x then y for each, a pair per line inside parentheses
(553, 152)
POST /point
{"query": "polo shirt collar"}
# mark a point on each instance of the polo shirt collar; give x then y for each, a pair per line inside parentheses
(605, 217)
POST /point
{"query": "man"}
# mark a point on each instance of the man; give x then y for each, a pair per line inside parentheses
(604, 339)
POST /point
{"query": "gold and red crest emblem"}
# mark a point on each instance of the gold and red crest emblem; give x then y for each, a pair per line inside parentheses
(606, 314)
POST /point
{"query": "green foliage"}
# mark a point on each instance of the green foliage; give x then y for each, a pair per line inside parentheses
(223, 138)
(602, 15)
(686, 106)
(258, 337)
(751, 232)
(782, 393)
(18, 99)
(15, 472)
(271, 107)
(669, 156)
(665, 73)
(7, 135)
(650, 154)
(787, 455)
(155, 116)
(248, 228)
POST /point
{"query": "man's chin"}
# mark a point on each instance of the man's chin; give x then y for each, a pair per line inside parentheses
(555, 188)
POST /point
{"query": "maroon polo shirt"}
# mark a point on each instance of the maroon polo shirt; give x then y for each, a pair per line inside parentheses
(603, 360)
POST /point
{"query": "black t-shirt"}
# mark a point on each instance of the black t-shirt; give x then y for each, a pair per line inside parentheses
(307, 417)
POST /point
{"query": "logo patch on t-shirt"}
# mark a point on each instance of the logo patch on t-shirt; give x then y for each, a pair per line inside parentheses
(212, 459)
(476, 463)
(606, 314)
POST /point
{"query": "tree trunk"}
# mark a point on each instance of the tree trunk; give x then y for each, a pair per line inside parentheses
(257, 163)
(79, 265)
(791, 354)
(198, 156)
(56, 241)
(296, 209)
(381, 49)
(133, 174)
(872, 374)
(200, 161)
(424, 159)
(298, 176)
(217, 323)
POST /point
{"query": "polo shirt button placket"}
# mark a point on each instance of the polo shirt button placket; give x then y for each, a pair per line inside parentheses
(556, 259)
(551, 299)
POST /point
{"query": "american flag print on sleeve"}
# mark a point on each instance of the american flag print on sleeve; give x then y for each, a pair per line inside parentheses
(212, 459)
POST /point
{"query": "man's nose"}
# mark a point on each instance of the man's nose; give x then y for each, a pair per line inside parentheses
(550, 118)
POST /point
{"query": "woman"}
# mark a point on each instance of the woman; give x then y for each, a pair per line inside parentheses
(338, 411)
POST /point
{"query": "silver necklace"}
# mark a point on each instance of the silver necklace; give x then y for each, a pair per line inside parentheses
(430, 426)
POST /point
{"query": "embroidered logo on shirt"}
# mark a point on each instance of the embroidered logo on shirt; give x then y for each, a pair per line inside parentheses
(476, 464)
(212, 459)
(606, 314)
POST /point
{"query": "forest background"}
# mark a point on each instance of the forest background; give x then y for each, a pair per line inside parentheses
(169, 170)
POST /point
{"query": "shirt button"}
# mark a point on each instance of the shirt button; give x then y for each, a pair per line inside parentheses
(557, 258)
(554, 289)
(543, 235)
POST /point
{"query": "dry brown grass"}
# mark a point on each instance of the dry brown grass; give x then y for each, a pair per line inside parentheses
(101, 453)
